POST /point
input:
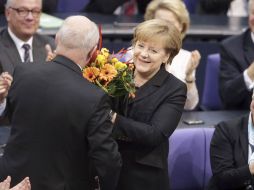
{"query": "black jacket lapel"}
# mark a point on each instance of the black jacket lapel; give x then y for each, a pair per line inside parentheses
(151, 86)
(248, 46)
(244, 138)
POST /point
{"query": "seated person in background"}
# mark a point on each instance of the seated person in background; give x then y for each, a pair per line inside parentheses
(184, 63)
(19, 42)
(49, 6)
(2, 4)
(214, 7)
(23, 185)
(236, 75)
(232, 153)
(110, 6)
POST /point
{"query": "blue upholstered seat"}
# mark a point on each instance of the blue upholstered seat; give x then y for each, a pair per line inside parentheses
(211, 99)
(189, 158)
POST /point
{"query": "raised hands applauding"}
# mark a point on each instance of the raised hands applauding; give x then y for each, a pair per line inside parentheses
(23, 185)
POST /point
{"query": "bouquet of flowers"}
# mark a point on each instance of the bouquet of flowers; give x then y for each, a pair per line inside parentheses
(110, 74)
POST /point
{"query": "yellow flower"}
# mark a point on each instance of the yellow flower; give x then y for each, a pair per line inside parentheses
(91, 73)
(108, 72)
(105, 52)
(120, 66)
(114, 60)
(101, 60)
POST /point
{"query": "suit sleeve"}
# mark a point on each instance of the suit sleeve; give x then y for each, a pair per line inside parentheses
(103, 149)
(163, 122)
(233, 90)
(226, 174)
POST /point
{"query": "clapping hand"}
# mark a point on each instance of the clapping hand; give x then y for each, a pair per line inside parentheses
(23, 185)
(5, 83)
(193, 63)
(50, 54)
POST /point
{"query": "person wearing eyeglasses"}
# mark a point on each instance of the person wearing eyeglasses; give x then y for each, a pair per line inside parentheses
(19, 41)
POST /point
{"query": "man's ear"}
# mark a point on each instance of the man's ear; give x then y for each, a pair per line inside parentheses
(91, 56)
(56, 39)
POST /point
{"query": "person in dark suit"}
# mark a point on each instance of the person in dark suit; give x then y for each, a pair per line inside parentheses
(236, 73)
(232, 154)
(142, 125)
(60, 121)
(23, 22)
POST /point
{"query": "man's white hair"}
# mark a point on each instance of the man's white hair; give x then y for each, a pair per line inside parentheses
(78, 32)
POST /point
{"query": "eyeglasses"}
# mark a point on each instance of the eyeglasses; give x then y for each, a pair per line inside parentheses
(24, 12)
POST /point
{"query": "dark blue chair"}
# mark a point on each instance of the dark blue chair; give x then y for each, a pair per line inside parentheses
(71, 6)
(191, 5)
(211, 99)
(189, 158)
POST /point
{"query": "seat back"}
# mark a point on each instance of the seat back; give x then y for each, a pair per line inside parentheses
(71, 6)
(189, 158)
(211, 99)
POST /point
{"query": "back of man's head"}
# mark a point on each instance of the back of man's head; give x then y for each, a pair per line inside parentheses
(77, 33)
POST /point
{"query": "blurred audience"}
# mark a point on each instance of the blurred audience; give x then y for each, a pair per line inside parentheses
(236, 76)
(232, 153)
(214, 7)
(19, 41)
(117, 6)
(49, 6)
(238, 8)
(185, 63)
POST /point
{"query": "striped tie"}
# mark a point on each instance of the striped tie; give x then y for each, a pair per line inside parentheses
(26, 54)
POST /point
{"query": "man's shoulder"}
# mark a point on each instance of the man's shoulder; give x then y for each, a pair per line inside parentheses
(235, 39)
(233, 126)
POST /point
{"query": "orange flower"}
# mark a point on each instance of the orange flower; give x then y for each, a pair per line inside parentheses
(91, 73)
(108, 72)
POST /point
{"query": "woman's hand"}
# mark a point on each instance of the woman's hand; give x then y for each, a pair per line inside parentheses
(192, 64)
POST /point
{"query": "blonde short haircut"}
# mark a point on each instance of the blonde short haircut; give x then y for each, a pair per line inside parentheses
(159, 31)
(177, 7)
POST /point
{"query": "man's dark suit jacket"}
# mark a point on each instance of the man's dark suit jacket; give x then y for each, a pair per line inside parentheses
(60, 123)
(229, 156)
(143, 127)
(9, 55)
(237, 53)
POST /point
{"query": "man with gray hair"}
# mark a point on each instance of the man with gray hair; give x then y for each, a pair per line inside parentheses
(236, 75)
(19, 41)
(61, 125)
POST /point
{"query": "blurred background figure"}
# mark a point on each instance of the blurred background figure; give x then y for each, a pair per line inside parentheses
(238, 8)
(236, 77)
(126, 7)
(232, 153)
(20, 41)
(185, 63)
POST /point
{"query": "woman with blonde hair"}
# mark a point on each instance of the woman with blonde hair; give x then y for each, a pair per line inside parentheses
(184, 64)
(143, 125)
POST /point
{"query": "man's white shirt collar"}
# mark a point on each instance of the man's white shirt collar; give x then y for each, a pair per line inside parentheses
(19, 43)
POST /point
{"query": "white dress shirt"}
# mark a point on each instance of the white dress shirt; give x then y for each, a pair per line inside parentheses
(19, 43)
(248, 82)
